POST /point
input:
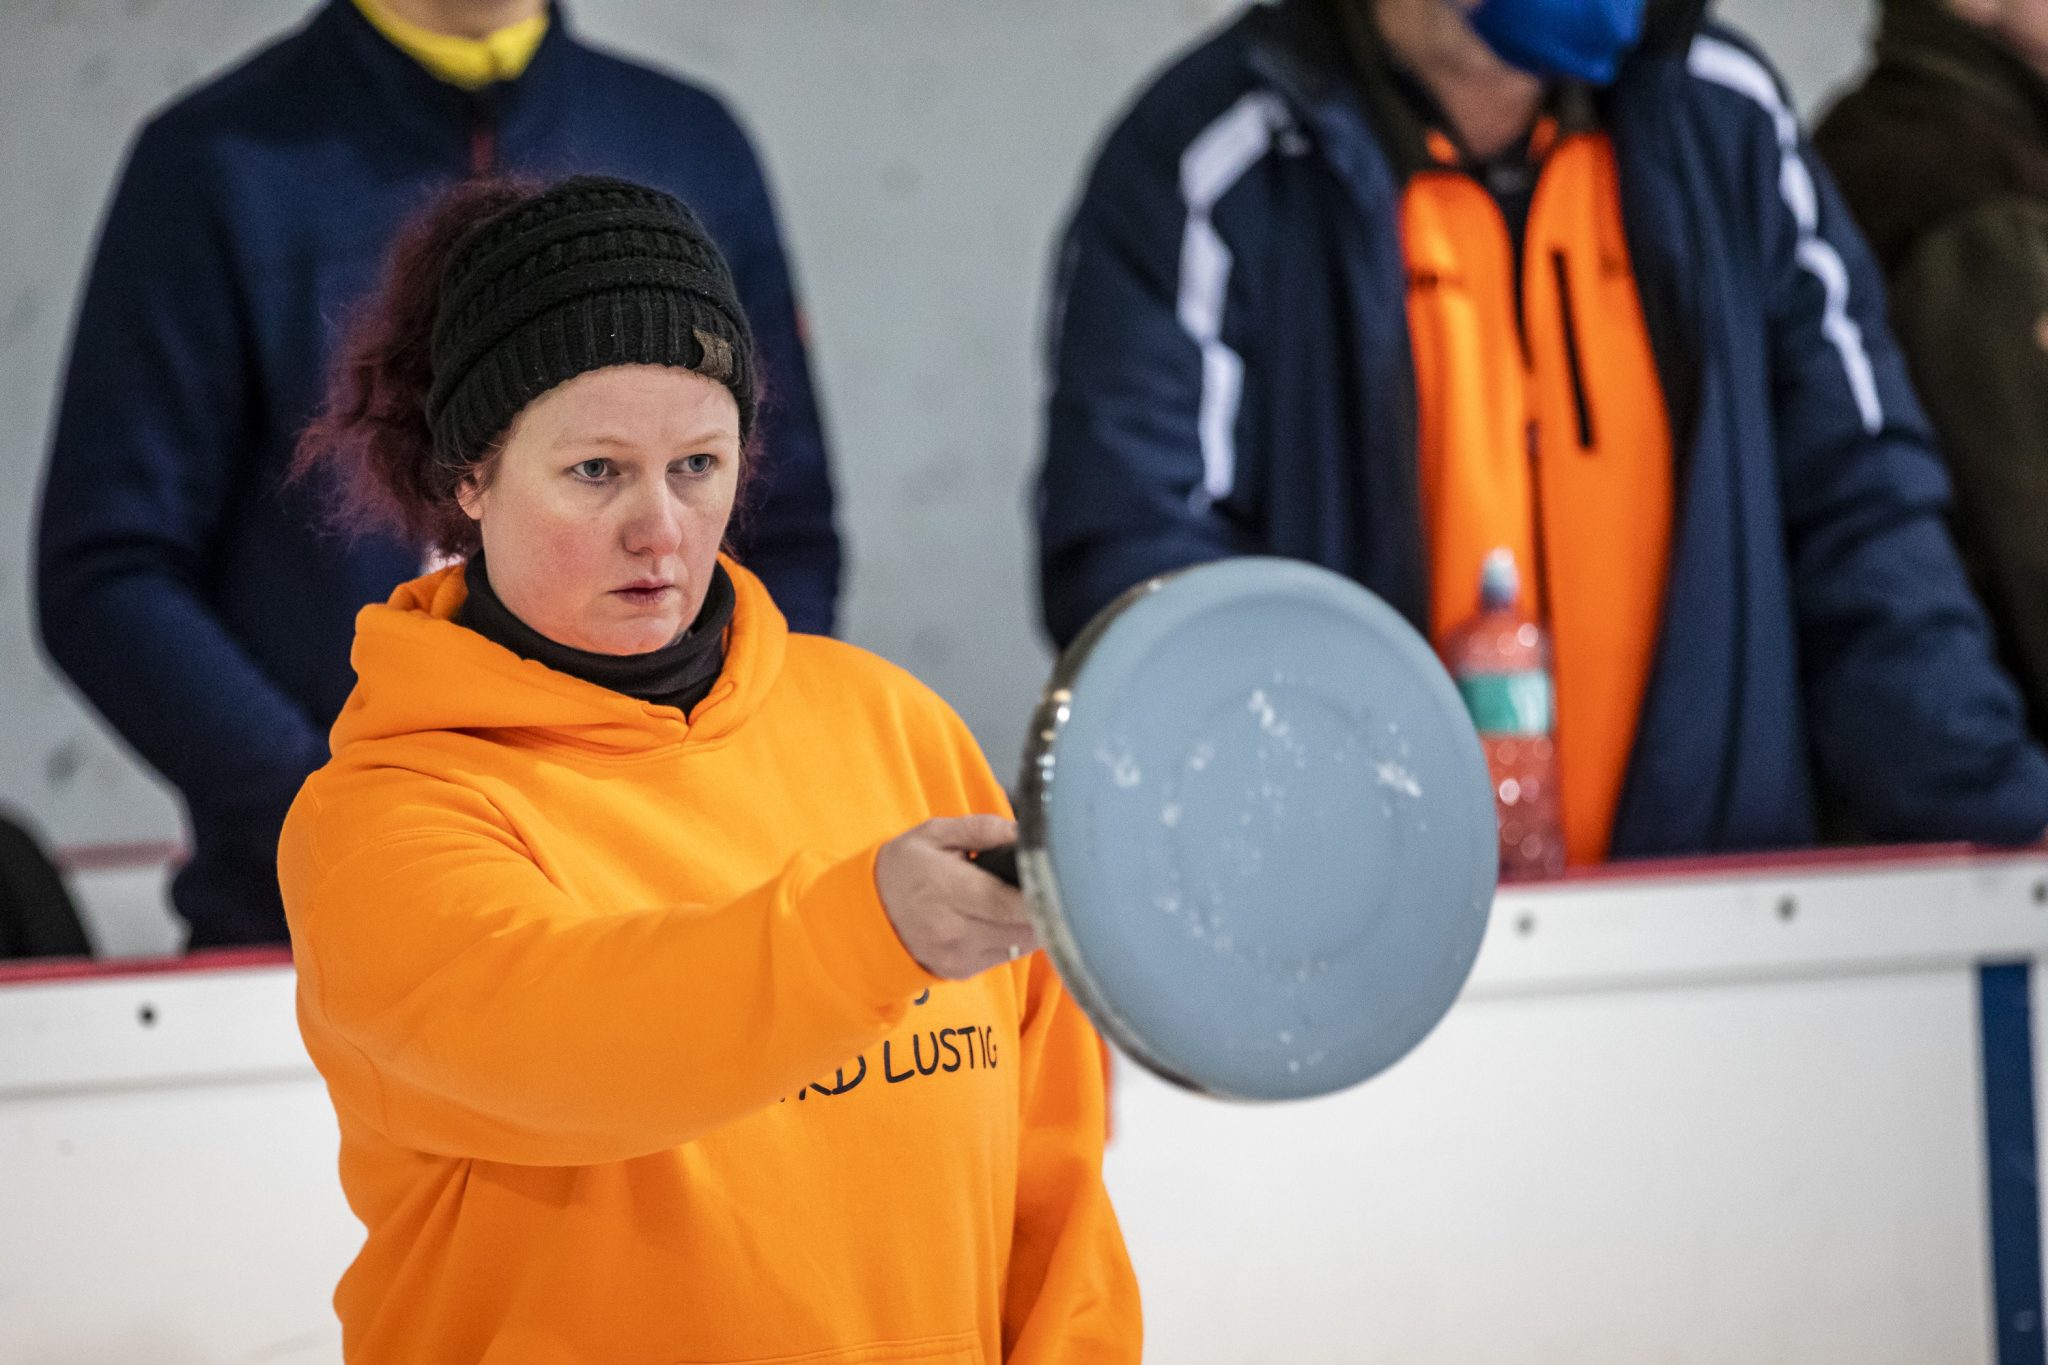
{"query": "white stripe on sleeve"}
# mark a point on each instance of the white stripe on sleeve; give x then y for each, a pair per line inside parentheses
(1214, 162)
(1723, 63)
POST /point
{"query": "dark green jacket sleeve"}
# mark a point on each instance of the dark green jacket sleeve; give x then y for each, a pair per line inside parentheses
(1970, 307)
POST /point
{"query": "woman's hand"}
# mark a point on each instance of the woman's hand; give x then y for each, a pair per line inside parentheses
(954, 918)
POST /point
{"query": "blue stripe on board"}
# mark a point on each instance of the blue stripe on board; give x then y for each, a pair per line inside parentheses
(2012, 1161)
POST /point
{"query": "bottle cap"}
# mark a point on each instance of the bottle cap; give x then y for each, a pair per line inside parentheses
(1500, 582)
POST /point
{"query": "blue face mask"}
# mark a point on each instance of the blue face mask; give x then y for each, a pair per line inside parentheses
(1580, 40)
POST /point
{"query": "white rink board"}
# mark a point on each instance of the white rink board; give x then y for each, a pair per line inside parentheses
(1675, 1121)
(167, 1190)
(179, 1226)
(1754, 1174)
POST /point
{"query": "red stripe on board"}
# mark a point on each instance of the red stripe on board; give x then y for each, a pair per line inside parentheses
(1802, 862)
(76, 968)
(112, 857)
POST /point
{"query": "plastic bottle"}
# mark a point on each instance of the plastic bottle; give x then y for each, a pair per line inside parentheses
(1500, 659)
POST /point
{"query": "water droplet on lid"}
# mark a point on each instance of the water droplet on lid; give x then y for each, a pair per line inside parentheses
(1397, 778)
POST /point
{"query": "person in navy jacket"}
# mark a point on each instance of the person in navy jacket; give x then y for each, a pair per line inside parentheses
(187, 588)
(1362, 281)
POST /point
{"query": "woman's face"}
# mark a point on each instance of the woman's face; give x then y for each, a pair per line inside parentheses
(603, 514)
(2025, 29)
(2021, 24)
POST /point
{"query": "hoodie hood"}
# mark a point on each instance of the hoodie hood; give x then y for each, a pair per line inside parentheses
(417, 672)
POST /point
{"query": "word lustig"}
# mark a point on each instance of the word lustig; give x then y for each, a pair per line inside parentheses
(972, 1048)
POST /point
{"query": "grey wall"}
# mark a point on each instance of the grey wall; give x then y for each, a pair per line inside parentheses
(925, 152)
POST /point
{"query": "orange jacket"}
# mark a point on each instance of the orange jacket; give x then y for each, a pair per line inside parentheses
(1542, 428)
(629, 1063)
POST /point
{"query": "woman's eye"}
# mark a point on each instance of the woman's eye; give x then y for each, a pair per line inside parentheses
(592, 470)
(699, 464)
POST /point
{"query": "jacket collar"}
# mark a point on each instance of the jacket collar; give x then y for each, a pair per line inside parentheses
(353, 49)
(1294, 48)
(1329, 61)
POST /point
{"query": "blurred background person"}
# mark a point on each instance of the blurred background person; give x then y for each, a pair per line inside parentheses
(1389, 285)
(181, 585)
(1942, 153)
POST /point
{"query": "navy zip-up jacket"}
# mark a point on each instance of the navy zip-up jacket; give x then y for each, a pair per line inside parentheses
(190, 594)
(1231, 374)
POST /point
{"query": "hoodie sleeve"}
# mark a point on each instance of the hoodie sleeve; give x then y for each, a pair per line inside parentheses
(501, 1020)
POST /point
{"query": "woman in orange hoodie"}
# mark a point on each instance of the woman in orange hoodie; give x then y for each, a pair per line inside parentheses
(663, 1017)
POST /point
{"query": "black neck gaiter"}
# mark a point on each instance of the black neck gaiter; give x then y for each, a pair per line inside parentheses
(679, 674)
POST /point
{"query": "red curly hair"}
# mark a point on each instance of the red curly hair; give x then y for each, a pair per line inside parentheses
(371, 435)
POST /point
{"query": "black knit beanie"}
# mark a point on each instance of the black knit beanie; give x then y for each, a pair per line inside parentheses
(592, 272)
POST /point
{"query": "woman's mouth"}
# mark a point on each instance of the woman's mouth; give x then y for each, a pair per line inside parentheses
(643, 594)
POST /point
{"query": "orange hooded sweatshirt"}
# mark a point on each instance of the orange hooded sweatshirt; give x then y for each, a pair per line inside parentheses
(629, 1063)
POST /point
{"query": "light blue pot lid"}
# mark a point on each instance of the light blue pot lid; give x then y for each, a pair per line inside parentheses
(1258, 830)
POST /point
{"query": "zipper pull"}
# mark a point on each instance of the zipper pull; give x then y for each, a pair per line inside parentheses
(484, 108)
(483, 148)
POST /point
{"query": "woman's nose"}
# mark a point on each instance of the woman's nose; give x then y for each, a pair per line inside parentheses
(654, 526)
